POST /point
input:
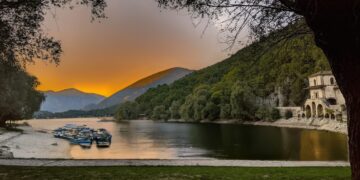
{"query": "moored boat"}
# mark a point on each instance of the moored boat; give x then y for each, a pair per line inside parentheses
(83, 136)
(103, 138)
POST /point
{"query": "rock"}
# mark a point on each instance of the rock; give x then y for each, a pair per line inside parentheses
(42, 131)
(6, 154)
(5, 147)
(54, 144)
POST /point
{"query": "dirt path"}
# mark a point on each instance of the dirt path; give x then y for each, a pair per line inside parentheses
(187, 162)
(13, 136)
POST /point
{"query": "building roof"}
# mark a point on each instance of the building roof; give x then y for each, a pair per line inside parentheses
(322, 73)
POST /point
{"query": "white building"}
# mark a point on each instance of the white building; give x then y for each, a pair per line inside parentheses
(326, 100)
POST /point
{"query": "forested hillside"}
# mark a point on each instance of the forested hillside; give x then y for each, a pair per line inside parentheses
(246, 86)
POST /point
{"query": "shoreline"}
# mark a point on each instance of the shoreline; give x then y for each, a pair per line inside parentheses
(32, 143)
(312, 124)
(167, 162)
(321, 125)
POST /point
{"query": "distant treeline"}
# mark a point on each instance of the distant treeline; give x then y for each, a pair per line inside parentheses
(77, 113)
(246, 86)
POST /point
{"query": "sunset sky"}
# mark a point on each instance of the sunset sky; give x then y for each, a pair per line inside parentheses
(136, 40)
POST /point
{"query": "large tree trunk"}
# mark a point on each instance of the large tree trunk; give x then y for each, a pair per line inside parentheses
(346, 69)
(336, 26)
(354, 136)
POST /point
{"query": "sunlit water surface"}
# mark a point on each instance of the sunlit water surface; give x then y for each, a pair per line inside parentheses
(144, 139)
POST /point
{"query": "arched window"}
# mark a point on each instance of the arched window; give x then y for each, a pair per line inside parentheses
(327, 116)
(313, 108)
(332, 82)
(320, 111)
(308, 111)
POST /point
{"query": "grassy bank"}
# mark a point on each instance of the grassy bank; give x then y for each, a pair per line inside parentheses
(10, 172)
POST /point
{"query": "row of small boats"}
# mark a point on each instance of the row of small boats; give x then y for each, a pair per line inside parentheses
(83, 135)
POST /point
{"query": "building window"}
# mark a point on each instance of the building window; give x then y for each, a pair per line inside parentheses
(332, 81)
(314, 82)
(332, 101)
(316, 95)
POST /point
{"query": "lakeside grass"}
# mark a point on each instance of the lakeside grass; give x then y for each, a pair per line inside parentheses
(176, 173)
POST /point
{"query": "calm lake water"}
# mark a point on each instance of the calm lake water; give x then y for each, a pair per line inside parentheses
(152, 140)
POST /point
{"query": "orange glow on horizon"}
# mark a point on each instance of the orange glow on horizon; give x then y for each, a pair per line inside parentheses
(131, 44)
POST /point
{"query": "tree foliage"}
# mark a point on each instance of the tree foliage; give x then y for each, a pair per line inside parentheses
(160, 113)
(18, 97)
(261, 17)
(242, 102)
(22, 41)
(175, 110)
(21, 34)
(127, 111)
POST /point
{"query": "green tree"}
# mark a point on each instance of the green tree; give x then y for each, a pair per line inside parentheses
(263, 113)
(225, 111)
(187, 110)
(211, 111)
(175, 110)
(18, 97)
(275, 114)
(160, 113)
(127, 111)
(193, 108)
(242, 102)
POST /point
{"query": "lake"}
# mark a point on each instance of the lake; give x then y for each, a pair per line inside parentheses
(143, 139)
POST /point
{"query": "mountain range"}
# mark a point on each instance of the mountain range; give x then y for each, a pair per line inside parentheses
(138, 88)
(68, 99)
(73, 99)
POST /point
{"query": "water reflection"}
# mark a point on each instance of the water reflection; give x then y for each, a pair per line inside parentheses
(322, 146)
(151, 140)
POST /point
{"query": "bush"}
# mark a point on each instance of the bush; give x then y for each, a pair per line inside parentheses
(288, 114)
(275, 114)
(262, 113)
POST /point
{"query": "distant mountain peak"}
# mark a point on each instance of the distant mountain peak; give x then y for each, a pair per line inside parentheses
(154, 77)
(136, 89)
(70, 91)
(69, 99)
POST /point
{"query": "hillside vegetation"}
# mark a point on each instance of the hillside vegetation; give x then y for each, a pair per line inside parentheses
(247, 85)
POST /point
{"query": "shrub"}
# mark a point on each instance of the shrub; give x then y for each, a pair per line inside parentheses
(262, 113)
(288, 114)
(275, 114)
